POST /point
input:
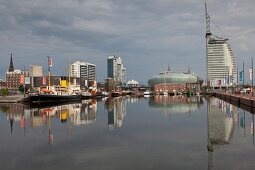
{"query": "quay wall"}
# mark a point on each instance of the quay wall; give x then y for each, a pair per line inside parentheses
(11, 99)
(239, 99)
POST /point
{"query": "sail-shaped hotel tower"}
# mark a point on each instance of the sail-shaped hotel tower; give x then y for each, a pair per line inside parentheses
(220, 60)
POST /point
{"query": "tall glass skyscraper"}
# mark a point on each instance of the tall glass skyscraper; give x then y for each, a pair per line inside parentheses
(116, 70)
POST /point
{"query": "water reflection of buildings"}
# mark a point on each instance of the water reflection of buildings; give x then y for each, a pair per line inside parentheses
(74, 114)
(221, 120)
(116, 111)
(175, 104)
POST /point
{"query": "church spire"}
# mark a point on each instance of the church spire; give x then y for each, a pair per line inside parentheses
(11, 67)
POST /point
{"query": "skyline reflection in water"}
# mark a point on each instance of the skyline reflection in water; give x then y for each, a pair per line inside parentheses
(205, 133)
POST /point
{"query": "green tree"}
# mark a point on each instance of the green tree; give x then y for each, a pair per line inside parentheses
(4, 92)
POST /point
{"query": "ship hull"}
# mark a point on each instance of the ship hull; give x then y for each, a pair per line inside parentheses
(49, 98)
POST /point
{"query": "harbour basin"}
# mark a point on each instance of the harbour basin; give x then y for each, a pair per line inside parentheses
(157, 132)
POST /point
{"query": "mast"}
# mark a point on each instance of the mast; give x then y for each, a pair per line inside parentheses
(49, 66)
(207, 36)
(69, 70)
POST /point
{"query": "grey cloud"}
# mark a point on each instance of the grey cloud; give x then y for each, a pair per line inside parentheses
(145, 32)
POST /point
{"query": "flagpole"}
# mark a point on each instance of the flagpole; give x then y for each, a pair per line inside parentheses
(237, 74)
(48, 70)
(243, 74)
(252, 76)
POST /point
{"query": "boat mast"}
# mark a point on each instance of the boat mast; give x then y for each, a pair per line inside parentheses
(69, 70)
(49, 66)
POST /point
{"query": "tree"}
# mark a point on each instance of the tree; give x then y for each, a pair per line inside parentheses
(4, 92)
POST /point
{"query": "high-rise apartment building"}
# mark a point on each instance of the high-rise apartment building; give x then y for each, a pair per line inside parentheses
(116, 70)
(83, 70)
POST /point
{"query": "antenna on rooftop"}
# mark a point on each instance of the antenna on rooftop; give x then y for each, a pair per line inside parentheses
(208, 31)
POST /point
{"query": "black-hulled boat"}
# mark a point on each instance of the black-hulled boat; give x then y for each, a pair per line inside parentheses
(53, 98)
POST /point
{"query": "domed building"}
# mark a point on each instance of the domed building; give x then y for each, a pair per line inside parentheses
(175, 82)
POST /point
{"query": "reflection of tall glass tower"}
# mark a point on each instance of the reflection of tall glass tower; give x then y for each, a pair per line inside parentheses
(220, 60)
(221, 120)
(116, 112)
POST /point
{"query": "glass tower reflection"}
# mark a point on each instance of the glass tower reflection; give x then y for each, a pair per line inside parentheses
(222, 118)
(116, 111)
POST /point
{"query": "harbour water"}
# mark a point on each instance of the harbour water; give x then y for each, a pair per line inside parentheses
(159, 132)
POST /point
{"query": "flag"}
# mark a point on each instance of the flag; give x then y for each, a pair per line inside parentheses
(250, 70)
(241, 76)
(22, 79)
(227, 80)
(50, 61)
(44, 80)
(219, 82)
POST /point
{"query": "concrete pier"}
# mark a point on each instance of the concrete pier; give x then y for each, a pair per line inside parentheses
(11, 99)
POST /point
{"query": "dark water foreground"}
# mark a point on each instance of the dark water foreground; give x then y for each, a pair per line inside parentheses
(128, 133)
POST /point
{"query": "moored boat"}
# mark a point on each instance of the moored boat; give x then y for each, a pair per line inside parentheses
(54, 98)
(53, 94)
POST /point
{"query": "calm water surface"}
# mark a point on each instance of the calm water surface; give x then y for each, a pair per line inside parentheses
(128, 133)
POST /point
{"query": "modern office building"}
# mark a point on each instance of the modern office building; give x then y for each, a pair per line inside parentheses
(116, 70)
(83, 70)
(220, 60)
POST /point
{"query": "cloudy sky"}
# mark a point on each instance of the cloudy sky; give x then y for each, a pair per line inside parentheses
(147, 34)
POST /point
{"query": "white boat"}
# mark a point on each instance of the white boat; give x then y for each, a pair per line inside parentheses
(86, 95)
(146, 93)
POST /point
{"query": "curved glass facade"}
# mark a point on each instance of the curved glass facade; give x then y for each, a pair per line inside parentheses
(174, 78)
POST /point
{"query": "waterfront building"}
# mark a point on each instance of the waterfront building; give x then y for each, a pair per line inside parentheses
(14, 78)
(124, 75)
(175, 82)
(133, 83)
(221, 65)
(83, 70)
(220, 60)
(116, 70)
(35, 71)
